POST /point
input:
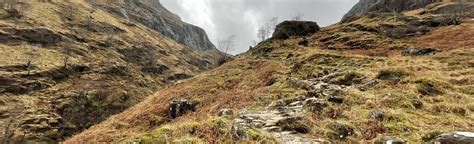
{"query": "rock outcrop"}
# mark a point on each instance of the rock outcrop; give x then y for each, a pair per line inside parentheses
(287, 29)
(152, 14)
(456, 138)
(180, 107)
(365, 6)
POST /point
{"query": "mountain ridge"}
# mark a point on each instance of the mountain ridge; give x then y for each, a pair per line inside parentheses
(154, 15)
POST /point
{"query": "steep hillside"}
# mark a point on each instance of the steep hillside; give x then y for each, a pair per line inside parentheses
(152, 14)
(383, 77)
(365, 6)
(68, 65)
(397, 6)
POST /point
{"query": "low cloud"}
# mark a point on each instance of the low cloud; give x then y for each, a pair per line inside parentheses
(243, 18)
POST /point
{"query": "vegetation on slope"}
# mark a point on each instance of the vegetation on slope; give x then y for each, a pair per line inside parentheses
(370, 89)
(68, 65)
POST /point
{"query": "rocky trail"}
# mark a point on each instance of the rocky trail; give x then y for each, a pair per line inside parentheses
(282, 118)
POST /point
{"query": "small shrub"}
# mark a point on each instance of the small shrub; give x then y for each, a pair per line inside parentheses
(392, 74)
(192, 127)
(120, 125)
(147, 139)
(373, 130)
(255, 134)
(431, 136)
(248, 133)
(443, 108)
(219, 126)
(156, 120)
(428, 88)
(294, 124)
(349, 78)
(460, 111)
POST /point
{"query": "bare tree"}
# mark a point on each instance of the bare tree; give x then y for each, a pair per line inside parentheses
(32, 56)
(267, 30)
(298, 16)
(262, 34)
(227, 44)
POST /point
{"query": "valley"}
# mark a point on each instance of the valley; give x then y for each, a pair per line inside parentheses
(388, 72)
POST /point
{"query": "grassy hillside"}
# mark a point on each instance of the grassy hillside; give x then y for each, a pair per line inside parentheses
(68, 65)
(355, 81)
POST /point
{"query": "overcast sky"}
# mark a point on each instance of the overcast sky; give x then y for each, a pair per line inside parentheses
(243, 18)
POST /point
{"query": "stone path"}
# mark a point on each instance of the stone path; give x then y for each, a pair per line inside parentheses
(278, 113)
(268, 120)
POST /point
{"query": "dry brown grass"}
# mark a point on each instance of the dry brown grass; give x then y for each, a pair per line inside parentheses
(248, 78)
(65, 19)
(450, 71)
(447, 38)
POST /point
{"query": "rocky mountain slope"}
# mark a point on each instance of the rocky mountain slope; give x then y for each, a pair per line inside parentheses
(68, 65)
(390, 6)
(152, 14)
(378, 77)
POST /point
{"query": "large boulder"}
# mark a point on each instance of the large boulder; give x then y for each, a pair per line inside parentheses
(288, 29)
(456, 138)
(340, 131)
(180, 107)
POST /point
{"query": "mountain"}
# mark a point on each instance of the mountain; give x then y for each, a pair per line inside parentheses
(68, 65)
(153, 15)
(378, 77)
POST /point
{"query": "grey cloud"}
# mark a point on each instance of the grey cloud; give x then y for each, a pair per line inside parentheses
(221, 18)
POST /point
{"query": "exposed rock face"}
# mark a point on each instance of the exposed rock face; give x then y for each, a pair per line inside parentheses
(154, 15)
(365, 6)
(456, 137)
(42, 36)
(179, 108)
(287, 29)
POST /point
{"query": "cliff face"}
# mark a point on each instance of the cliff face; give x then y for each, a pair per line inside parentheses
(152, 14)
(365, 6)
